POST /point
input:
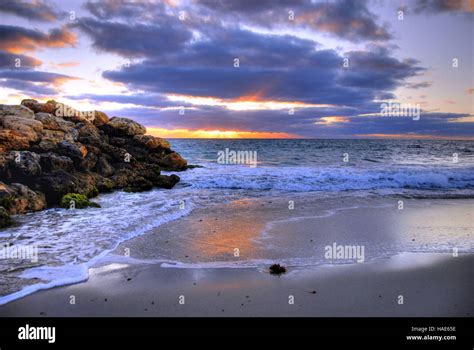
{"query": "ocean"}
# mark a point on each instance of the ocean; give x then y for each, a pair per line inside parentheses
(69, 242)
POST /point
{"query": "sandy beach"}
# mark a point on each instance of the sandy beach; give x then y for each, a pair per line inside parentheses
(210, 280)
(431, 284)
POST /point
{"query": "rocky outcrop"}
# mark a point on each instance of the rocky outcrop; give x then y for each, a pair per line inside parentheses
(125, 126)
(49, 150)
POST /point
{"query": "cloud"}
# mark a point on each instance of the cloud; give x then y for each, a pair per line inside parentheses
(140, 99)
(68, 64)
(28, 88)
(443, 6)
(33, 82)
(36, 76)
(283, 68)
(422, 85)
(8, 60)
(135, 40)
(333, 120)
(107, 9)
(36, 10)
(18, 40)
(304, 123)
(344, 19)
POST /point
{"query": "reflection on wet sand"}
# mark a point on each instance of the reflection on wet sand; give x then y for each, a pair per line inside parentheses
(232, 235)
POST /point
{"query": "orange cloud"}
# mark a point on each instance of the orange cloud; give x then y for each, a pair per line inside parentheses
(467, 119)
(64, 64)
(217, 134)
(332, 120)
(23, 41)
(256, 96)
(60, 80)
(414, 137)
(470, 91)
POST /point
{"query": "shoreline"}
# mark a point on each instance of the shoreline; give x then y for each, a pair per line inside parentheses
(432, 285)
(202, 244)
(204, 239)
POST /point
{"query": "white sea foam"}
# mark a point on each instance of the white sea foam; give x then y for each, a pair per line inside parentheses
(73, 241)
(304, 179)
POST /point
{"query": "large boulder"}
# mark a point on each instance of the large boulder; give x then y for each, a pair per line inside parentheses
(167, 181)
(103, 167)
(51, 122)
(56, 136)
(126, 126)
(117, 154)
(55, 185)
(5, 219)
(88, 134)
(131, 181)
(28, 127)
(18, 110)
(172, 161)
(10, 139)
(35, 106)
(51, 162)
(152, 142)
(27, 200)
(74, 150)
(59, 183)
(100, 118)
(18, 198)
(24, 166)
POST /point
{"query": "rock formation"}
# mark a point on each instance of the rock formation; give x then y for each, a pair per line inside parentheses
(48, 150)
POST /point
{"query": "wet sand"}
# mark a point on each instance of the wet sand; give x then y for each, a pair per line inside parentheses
(431, 285)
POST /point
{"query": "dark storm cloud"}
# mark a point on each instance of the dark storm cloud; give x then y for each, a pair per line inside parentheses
(345, 19)
(135, 40)
(8, 60)
(141, 99)
(272, 67)
(377, 70)
(37, 10)
(106, 9)
(28, 88)
(16, 39)
(34, 76)
(196, 57)
(32, 82)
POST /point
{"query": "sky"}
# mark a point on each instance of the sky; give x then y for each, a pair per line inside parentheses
(249, 69)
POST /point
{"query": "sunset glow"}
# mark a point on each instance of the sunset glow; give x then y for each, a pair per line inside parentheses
(245, 103)
(217, 134)
(332, 120)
